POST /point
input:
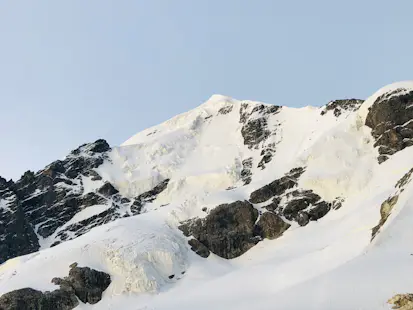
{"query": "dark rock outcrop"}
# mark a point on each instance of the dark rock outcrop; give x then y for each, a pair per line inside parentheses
(148, 196)
(302, 218)
(339, 106)
(41, 203)
(319, 210)
(30, 299)
(277, 187)
(83, 283)
(385, 211)
(225, 110)
(270, 226)
(88, 284)
(255, 132)
(402, 301)
(390, 118)
(228, 231)
(232, 229)
(274, 205)
(107, 190)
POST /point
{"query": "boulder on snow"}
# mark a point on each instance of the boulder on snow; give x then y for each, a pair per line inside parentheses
(83, 282)
(232, 229)
(30, 299)
(319, 210)
(277, 187)
(107, 190)
(302, 218)
(255, 124)
(16, 234)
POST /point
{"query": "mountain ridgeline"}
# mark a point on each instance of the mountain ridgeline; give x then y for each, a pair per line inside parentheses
(224, 177)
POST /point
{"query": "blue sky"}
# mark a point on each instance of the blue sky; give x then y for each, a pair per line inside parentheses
(74, 71)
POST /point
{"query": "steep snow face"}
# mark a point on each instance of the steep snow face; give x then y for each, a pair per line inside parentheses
(134, 199)
(223, 144)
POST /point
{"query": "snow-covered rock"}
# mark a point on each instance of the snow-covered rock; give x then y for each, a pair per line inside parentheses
(330, 185)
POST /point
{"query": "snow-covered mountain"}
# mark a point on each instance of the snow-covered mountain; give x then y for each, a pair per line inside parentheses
(233, 205)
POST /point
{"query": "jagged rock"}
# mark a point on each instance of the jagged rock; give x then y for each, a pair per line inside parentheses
(90, 199)
(88, 284)
(54, 195)
(22, 299)
(338, 106)
(274, 205)
(107, 190)
(148, 196)
(295, 206)
(255, 125)
(402, 301)
(302, 218)
(199, 248)
(136, 207)
(405, 179)
(309, 201)
(85, 283)
(48, 199)
(227, 231)
(151, 195)
(95, 176)
(17, 236)
(265, 160)
(319, 210)
(277, 187)
(337, 203)
(100, 146)
(59, 299)
(225, 110)
(86, 225)
(270, 226)
(30, 299)
(390, 120)
(246, 174)
(385, 210)
(307, 194)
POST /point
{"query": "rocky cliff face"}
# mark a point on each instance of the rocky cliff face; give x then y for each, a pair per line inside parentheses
(391, 121)
(40, 206)
(17, 236)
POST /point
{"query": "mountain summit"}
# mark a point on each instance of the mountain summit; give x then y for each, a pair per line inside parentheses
(233, 205)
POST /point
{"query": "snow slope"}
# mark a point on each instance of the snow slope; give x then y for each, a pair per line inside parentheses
(328, 264)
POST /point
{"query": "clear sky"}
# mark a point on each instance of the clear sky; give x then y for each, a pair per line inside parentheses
(74, 71)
